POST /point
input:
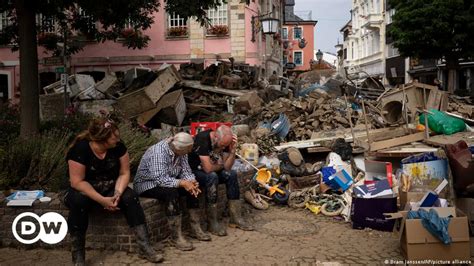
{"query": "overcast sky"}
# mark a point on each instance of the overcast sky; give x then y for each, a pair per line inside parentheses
(331, 16)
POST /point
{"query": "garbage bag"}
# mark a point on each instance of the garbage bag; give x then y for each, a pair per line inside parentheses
(431, 221)
(344, 149)
(442, 123)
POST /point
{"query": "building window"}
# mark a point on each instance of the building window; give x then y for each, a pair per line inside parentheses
(392, 51)
(298, 58)
(297, 33)
(284, 33)
(46, 24)
(89, 19)
(177, 26)
(218, 16)
(4, 20)
(175, 21)
(389, 16)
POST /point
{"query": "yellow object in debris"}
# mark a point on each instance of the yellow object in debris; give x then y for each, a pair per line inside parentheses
(313, 208)
(420, 127)
(250, 152)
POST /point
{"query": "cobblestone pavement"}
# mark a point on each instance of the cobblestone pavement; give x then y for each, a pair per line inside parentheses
(282, 236)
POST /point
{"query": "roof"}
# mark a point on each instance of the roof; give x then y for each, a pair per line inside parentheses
(347, 25)
(291, 17)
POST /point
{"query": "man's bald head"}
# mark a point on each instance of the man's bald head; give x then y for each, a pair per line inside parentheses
(223, 136)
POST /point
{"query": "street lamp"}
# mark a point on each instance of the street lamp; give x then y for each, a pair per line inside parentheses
(270, 25)
(267, 25)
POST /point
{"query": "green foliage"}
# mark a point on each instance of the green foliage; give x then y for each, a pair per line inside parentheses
(9, 122)
(137, 143)
(87, 20)
(36, 162)
(39, 162)
(433, 28)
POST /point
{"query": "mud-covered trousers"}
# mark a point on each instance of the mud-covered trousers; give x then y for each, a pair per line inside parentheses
(210, 181)
(171, 197)
(79, 206)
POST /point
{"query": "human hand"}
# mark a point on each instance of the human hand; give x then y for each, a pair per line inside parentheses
(191, 186)
(116, 197)
(110, 203)
(233, 144)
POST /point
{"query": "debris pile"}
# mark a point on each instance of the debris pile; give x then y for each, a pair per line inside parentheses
(316, 112)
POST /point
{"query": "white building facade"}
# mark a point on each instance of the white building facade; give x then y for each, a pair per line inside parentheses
(364, 43)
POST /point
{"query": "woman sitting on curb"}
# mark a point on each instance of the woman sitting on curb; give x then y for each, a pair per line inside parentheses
(99, 174)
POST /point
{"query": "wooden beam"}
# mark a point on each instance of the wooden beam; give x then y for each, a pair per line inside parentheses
(195, 84)
(378, 145)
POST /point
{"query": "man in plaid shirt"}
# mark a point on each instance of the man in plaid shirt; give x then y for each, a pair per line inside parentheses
(164, 173)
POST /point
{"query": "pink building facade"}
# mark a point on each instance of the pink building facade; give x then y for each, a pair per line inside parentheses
(298, 26)
(174, 40)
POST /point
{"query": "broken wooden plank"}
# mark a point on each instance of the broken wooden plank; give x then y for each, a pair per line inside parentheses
(145, 99)
(195, 84)
(320, 139)
(106, 84)
(318, 149)
(403, 151)
(467, 120)
(442, 140)
(425, 86)
(383, 144)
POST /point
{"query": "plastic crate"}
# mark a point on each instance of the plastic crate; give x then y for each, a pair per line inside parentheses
(197, 127)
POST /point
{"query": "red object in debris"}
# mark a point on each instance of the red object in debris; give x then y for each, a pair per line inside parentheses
(462, 165)
(197, 127)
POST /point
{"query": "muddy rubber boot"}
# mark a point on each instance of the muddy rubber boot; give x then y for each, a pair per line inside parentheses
(214, 227)
(145, 250)
(236, 219)
(78, 248)
(177, 237)
(195, 222)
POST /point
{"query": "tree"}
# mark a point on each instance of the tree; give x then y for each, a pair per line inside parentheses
(75, 17)
(434, 29)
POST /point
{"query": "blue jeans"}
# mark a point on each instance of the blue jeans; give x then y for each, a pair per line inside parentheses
(210, 181)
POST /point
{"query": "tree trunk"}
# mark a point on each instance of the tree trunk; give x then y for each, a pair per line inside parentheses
(29, 97)
(452, 64)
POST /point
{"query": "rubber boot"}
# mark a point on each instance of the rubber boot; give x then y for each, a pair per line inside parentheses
(236, 219)
(78, 248)
(214, 227)
(145, 250)
(195, 222)
(177, 237)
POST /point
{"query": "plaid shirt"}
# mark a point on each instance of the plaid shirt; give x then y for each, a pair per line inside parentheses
(160, 167)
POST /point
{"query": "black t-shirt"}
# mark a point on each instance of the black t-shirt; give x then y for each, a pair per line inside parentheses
(100, 173)
(202, 147)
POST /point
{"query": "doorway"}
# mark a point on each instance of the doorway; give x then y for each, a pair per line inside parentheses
(4, 94)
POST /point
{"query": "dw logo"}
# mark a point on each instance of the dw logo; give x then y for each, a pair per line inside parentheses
(51, 228)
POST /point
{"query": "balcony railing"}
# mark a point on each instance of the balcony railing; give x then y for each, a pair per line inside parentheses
(373, 21)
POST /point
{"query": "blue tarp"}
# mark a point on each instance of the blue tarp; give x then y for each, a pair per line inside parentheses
(431, 221)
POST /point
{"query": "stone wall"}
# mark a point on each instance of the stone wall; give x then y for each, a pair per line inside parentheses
(106, 230)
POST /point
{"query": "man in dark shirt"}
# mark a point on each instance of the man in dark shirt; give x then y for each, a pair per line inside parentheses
(211, 161)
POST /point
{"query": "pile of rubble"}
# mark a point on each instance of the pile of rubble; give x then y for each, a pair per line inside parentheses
(316, 112)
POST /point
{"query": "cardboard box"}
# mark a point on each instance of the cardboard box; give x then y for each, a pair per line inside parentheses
(373, 190)
(375, 170)
(416, 243)
(426, 175)
(406, 197)
(370, 213)
(340, 180)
